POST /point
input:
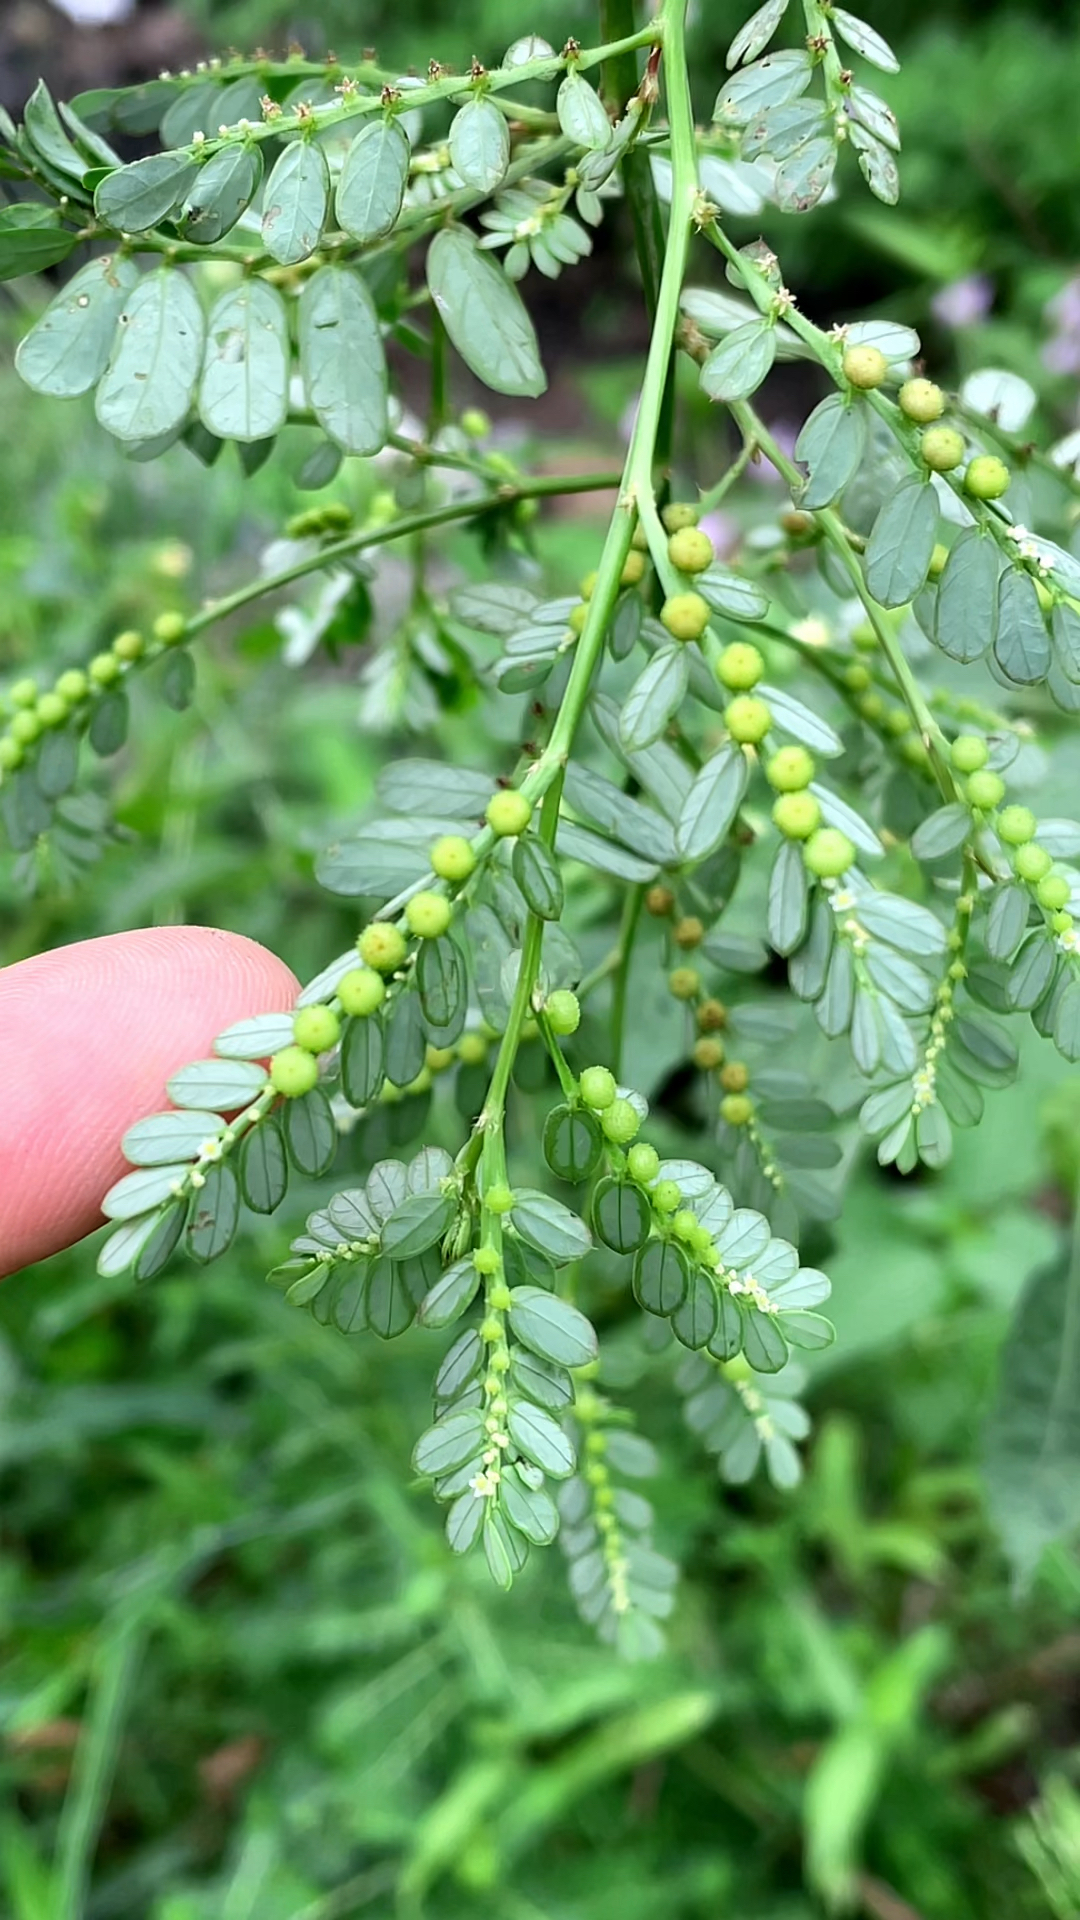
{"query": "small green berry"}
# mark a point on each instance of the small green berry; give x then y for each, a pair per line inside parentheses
(24, 693)
(735, 1077)
(684, 1224)
(736, 1109)
(985, 789)
(689, 932)
(828, 853)
(499, 1298)
(969, 753)
(382, 946)
(747, 719)
(871, 706)
(104, 669)
(1052, 892)
(452, 858)
(740, 666)
(864, 367)
(508, 813)
(942, 448)
(428, 915)
(577, 617)
(921, 400)
(659, 902)
(685, 615)
(24, 727)
(987, 477)
(438, 1059)
(52, 711)
(11, 754)
(128, 645)
(857, 677)
(498, 1199)
(863, 637)
(316, 1029)
(797, 815)
(790, 769)
(679, 514)
(563, 1011)
(475, 423)
(72, 686)
(1031, 863)
(597, 1087)
(937, 560)
(170, 628)
(633, 570)
(643, 1162)
(684, 983)
(587, 587)
(690, 550)
(1061, 922)
(712, 1016)
(472, 1049)
(708, 1054)
(1016, 826)
(666, 1196)
(361, 992)
(486, 1260)
(293, 1072)
(620, 1122)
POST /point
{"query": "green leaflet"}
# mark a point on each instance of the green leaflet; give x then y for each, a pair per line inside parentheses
(756, 33)
(243, 394)
(148, 385)
(221, 1085)
(713, 800)
(225, 187)
(1033, 1436)
(31, 246)
(484, 315)
(215, 1212)
(66, 352)
(295, 200)
(864, 40)
(551, 1327)
(771, 82)
(788, 899)
(537, 873)
(480, 145)
(831, 444)
(342, 359)
(965, 623)
(263, 1168)
(573, 1142)
(1022, 642)
(136, 198)
(581, 113)
(372, 183)
(739, 364)
(806, 174)
(655, 695)
(898, 552)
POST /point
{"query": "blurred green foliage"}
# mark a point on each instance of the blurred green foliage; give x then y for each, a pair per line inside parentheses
(242, 1678)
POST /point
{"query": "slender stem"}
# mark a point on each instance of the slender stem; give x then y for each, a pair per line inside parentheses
(711, 500)
(632, 906)
(491, 1119)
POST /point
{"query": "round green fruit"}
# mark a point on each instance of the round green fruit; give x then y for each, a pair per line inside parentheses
(382, 946)
(23, 693)
(747, 719)
(1053, 892)
(643, 1162)
(293, 1072)
(666, 1196)
(735, 1077)
(708, 1054)
(316, 1029)
(361, 992)
(797, 815)
(563, 1011)
(969, 753)
(921, 400)
(620, 1122)
(486, 1261)
(740, 666)
(597, 1087)
(689, 932)
(679, 514)
(11, 754)
(690, 550)
(170, 628)
(633, 570)
(864, 367)
(24, 727)
(72, 686)
(129, 645)
(684, 1224)
(472, 1049)
(452, 858)
(685, 615)
(476, 423)
(1032, 863)
(52, 710)
(428, 915)
(684, 982)
(508, 813)
(790, 769)
(942, 448)
(1016, 826)
(498, 1198)
(985, 789)
(736, 1109)
(104, 669)
(828, 853)
(987, 477)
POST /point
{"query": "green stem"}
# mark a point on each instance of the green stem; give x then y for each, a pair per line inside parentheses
(632, 906)
(491, 1120)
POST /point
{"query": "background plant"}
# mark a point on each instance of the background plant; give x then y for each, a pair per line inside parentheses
(693, 819)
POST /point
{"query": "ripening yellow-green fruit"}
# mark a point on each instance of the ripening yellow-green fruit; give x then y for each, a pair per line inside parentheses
(921, 400)
(864, 367)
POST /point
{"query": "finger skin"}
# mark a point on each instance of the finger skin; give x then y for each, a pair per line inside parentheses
(89, 1034)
